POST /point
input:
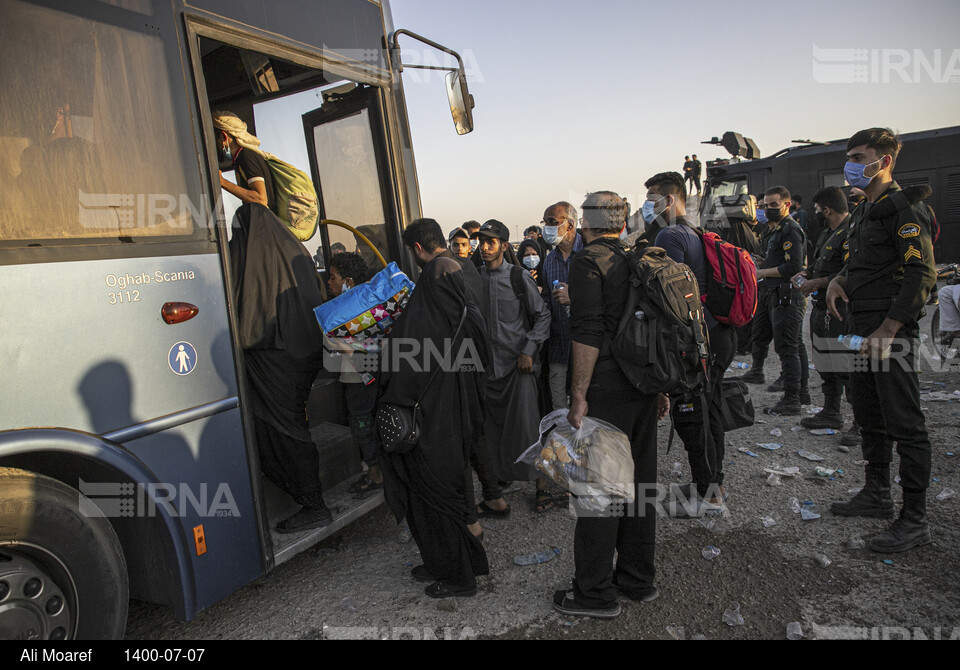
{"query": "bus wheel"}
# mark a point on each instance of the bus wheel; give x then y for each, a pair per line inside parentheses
(62, 571)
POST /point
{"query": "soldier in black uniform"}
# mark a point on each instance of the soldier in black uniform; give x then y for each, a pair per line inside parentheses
(781, 305)
(885, 285)
(831, 358)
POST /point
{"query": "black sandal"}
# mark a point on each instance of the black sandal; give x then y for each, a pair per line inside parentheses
(484, 511)
(544, 501)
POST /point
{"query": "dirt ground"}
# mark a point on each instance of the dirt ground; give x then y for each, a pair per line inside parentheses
(356, 584)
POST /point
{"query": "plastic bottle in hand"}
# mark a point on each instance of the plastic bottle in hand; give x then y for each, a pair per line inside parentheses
(557, 287)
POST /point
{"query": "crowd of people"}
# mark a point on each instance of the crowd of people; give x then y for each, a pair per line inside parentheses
(541, 319)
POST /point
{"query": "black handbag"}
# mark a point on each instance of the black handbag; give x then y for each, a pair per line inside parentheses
(399, 427)
(737, 405)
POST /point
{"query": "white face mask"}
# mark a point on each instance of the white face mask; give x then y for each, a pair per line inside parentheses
(531, 262)
(474, 244)
(551, 235)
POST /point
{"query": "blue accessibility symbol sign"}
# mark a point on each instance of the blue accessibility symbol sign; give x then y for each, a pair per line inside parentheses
(182, 358)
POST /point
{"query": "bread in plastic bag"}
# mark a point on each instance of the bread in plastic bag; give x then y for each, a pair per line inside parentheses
(593, 463)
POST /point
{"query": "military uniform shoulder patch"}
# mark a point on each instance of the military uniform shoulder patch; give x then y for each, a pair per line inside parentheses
(912, 252)
(787, 246)
(909, 230)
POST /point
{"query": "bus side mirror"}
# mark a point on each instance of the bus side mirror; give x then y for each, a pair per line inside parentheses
(461, 102)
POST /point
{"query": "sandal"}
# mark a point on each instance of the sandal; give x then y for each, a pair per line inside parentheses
(359, 485)
(365, 488)
(544, 501)
(484, 511)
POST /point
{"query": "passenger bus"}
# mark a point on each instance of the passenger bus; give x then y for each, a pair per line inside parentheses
(930, 158)
(128, 467)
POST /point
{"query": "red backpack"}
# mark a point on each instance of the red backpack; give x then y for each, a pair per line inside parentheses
(731, 290)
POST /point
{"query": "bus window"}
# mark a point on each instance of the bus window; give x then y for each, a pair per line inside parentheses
(89, 146)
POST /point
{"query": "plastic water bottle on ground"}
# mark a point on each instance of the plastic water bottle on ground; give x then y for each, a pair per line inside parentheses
(794, 632)
(794, 504)
(677, 471)
(710, 552)
(809, 511)
(405, 535)
(856, 543)
(946, 494)
(769, 521)
(732, 616)
(776, 432)
(676, 632)
(537, 558)
(774, 480)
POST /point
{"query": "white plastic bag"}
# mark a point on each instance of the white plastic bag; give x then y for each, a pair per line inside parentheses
(593, 463)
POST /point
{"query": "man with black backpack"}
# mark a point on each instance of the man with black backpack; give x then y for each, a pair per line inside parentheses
(699, 418)
(600, 290)
(518, 323)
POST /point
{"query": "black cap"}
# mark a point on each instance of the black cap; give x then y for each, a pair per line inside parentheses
(493, 228)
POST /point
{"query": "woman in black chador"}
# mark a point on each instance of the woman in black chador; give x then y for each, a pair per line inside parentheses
(427, 485)
(276, 287)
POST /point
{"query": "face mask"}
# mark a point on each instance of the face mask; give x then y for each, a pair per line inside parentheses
(551, 235)
(624, 234)
(474, 244)
(761, 216)
(774, 214)
(853, 173)
(648, 211)
(531, 262)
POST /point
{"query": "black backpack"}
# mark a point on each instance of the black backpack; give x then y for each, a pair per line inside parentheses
(661, 341)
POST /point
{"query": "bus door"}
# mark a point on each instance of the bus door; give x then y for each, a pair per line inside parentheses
(347, 146)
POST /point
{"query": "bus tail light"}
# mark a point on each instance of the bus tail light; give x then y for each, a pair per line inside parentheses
(178, 312)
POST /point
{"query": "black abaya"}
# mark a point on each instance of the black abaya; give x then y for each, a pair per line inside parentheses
(427, 485)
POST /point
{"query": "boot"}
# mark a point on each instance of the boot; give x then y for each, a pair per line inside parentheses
(909, 531)
(805, 398)
(789, 405)
(828, 417)
(755, 376)
(852, 437)
(777, 386)
(874, 499)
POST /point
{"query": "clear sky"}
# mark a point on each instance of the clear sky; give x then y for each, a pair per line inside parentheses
(576, 96)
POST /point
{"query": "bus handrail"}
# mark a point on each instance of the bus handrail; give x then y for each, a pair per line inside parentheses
(341, 224)
(168, 421)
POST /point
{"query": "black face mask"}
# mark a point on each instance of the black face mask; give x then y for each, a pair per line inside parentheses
(774, 215)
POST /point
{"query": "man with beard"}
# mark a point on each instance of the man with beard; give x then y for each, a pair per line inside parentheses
(428, 485)
(600, 287)
(424, 239)
(518, 323)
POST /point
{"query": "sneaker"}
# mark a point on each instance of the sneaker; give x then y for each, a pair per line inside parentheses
(565, 603)
(646, 596)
